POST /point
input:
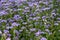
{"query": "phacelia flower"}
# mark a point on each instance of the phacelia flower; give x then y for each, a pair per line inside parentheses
(15, 24)
(43, 38)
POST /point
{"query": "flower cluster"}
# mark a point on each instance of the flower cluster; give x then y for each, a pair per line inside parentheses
(29, 19)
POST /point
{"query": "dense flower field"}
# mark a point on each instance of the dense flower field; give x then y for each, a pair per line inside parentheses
(29, 19)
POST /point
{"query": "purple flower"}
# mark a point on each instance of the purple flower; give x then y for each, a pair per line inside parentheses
(23, 0)
(8, 35)
(38, 33)
(3, 0)
(15, 24)
(4, 21)
(0, 4)
(47, 25)
(45, 9)
(6, 31)
(32, 15)
(36, 18)
(30, 4)
(17, 17)
(35, 3)
(53, 14)
(10, 20)
(26, 10)
(8, 38)
(3, 13)
(43, 38)
(46, 3)
(43, 18)
(11, 0)
(58, 19)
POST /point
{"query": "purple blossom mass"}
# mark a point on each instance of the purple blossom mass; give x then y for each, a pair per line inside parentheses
(43, 38)
(29, 19)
